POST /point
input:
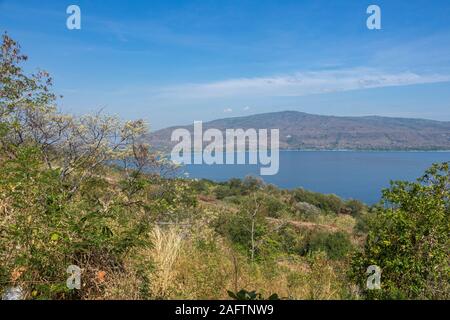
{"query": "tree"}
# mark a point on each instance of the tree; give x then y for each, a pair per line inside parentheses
(409, 239)
(252, 211)
(61, 203)
(78, 146)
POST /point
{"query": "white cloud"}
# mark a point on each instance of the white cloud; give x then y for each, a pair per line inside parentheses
(299, 84)
(228, 110)
(246, 108)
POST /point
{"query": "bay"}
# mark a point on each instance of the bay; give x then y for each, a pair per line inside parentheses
(349, 174)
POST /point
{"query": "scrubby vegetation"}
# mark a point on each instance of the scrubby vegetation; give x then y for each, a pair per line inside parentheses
(87, 191)
(409, 239)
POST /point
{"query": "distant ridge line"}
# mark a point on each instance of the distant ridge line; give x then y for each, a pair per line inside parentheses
(304, 131)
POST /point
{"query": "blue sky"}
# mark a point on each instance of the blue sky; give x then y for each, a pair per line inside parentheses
(172, 62)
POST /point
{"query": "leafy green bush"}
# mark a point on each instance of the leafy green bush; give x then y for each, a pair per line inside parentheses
(336, 245)
(306, 211)
(409, 240)
(363, 222)
(202, 186)
(291, 241)
(238, 187)
(62, 204)
(357, 208)
(272, 206)
(237, 228)
(327, 203)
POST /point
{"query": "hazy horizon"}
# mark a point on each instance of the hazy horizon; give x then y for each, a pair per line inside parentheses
(176, 62)
(315, 114)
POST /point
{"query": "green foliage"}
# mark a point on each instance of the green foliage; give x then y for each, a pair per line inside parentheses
(409, 239)
(201, 186)
(61, 203)
(291, 241)
(238, 187)
(336, 245)
(356, 208)
(48, 228)
(273, 206)
(86, 191)
(237, 228)
(363, 221)
(250, 295)
(327, 203)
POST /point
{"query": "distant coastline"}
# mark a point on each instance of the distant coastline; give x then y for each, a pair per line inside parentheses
(167, 153)
(364, 150)
(350, 175)
(300, 131)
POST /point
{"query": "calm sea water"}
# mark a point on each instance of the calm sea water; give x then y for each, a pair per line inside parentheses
(357, 175)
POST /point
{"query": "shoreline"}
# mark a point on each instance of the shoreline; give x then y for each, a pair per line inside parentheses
(344, 150)
(362, 150)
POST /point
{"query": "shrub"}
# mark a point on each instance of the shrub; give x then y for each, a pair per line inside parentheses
(61, 203)
(291, 241)
(237, 228)
(307, 210)
(272, 206)
(336, 245)
(327, 203)
(237, 187)
(357, 208)
(409, 239)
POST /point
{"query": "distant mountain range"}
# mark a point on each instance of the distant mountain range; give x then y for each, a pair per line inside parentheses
(300, 130)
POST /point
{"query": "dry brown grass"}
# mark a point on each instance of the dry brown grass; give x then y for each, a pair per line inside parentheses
(199, 264)
(167, 244)
(122, 286)
(207, 273)
(152, 267)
